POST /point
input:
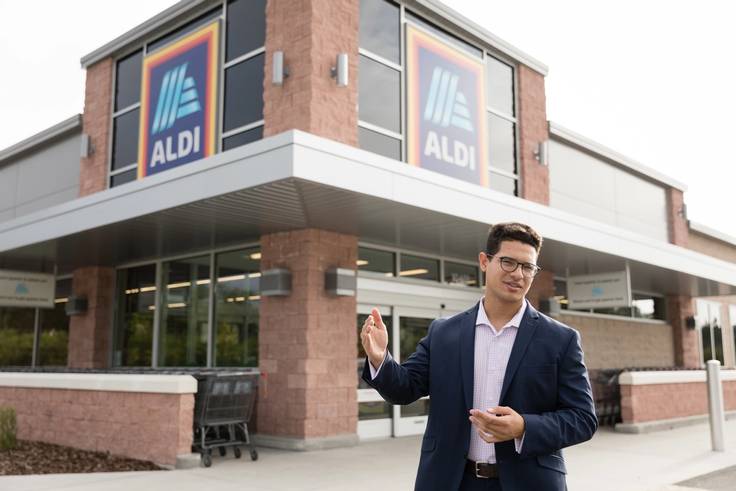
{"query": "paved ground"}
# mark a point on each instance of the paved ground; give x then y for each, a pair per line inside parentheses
(723, 480)
(609, 462)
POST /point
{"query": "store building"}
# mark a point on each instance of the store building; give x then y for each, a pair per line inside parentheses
(256, 175)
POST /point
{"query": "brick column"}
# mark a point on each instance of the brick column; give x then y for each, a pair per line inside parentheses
(676, 219)
(533, 129)
(96, 122)
(543, 287)
(308, 345)
(686, 340)
(90, 334)
(311, 33)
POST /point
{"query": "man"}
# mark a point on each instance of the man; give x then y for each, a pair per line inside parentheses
(508, 387)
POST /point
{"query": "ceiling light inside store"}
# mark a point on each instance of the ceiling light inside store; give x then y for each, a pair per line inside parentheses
(414, 272)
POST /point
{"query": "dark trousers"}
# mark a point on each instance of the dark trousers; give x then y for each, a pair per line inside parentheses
(472, 483)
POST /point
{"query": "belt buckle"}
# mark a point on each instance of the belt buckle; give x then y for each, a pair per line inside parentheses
(477, 470)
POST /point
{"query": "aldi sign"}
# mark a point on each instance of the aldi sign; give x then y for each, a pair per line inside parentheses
(445, 109)
(179, 102)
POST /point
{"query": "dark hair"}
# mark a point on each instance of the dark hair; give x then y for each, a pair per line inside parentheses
(512, 231)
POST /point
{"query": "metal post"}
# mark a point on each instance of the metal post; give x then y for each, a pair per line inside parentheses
(715, 404)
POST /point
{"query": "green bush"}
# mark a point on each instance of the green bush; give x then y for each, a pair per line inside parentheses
(7, 428)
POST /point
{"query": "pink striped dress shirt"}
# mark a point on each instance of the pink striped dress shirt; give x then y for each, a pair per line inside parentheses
(492, 351)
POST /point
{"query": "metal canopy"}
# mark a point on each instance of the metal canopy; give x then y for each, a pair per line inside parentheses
(295, 180)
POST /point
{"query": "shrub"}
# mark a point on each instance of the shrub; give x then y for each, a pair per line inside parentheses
(7, 428)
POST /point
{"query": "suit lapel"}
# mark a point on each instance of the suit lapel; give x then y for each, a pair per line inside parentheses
(523, 337)
(467, 353)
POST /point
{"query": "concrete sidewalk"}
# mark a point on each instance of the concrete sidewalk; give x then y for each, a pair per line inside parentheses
(611, 461)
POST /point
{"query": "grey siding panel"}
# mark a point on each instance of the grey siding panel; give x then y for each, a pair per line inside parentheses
(41, 178)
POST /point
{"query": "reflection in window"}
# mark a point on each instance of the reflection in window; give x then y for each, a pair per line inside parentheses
(500, 86)
(128, 80)
(125, 139)
(16, 336)
(501, 148)
(376, 260)
(379, 94)
(379, 28)
(184, 312)
(421, 268)
(411, 331)
(244, 93)
(237, 303)
(708, 321)
(461, 274)
(53, 343)
(246, 27)
(136, 297)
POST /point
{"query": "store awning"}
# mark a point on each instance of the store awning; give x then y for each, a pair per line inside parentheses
(297, 180)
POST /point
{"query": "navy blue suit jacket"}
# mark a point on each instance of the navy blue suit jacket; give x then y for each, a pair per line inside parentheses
(546, 382)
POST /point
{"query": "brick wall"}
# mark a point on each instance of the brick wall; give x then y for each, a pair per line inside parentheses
(676, 222)
(148, 426)
(308, 340)
(90, 334)
(686, 340)
(533, 129)
(712, 247)
(311, 33)
(96, 122)
(613, 343)
(543, 287)
(641, 403)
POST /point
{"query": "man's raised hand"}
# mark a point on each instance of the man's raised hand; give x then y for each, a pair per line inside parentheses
(374, 337)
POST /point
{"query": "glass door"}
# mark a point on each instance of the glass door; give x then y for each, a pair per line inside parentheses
(374, 414)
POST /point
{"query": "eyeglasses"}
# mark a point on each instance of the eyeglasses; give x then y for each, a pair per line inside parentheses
(509, 264)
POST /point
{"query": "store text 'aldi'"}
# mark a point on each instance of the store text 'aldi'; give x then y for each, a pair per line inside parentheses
(179, 102)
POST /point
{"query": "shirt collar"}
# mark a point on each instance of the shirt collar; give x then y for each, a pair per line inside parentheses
(482, 318)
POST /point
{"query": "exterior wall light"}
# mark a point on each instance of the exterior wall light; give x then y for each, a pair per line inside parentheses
(280, 72)
(541, 153)
(341, 282)
(340, 71)
(276, 283)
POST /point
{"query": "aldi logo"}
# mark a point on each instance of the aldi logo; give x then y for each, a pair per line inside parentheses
(445, 109)
(179, 102)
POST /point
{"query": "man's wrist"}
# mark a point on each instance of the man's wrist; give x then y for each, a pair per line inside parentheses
(376, 362)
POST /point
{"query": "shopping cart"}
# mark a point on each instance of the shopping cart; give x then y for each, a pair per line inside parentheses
(222, 409)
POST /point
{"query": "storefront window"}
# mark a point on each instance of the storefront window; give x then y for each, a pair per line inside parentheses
(379, 95)
(136, 300)
(461, 274)
(421, 268)
(376, 260)
(53, 343)
(16, 336)
(236, 309)
(708, 321)
(380, 28)
(184, 314)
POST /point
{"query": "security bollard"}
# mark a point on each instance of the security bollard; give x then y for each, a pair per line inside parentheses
(715, 405)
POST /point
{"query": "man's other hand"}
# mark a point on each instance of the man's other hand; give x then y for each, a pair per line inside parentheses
(374, 338)
(497, 424)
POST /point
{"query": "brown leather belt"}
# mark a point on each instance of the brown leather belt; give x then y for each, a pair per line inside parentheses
(482, 470)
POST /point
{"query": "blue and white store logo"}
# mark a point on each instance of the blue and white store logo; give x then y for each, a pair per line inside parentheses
(177, 98)
(446, 105)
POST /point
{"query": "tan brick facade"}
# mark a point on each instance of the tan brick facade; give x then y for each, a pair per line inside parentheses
(614, 343)
(311, 33)
(96, 122)
(533, 130)
(676, 220)
(90, 334)
(711, 246)
(155, 427)
(543, 287)
(307, 341)
(641, 403)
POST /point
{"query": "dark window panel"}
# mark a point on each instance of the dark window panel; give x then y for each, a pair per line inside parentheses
(123, 177)
(128, 80)
(244, 93)
(380, 28)
(419, 268)
(16, 336)
(379, 95)
(500, 84)
(185, 29)
(53, 342)
(136, 294)
(246, 27)
(380, 144)
(376, 261)
(242, 138)
(503, 184)
(501, 144)
(125, 139)
(441, 33)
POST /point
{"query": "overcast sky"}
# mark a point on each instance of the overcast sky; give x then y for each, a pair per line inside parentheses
(654, 80)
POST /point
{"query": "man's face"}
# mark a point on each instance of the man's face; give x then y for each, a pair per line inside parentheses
(508, 287)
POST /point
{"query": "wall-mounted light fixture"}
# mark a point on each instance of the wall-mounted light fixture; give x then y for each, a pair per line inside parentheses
(85, 146)
(276, 283)
(541, 152)
(280, 72)
(341, 282)
(76, 305)
(340, 71)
